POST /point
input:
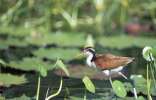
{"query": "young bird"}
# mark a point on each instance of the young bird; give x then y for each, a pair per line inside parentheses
(108, 63)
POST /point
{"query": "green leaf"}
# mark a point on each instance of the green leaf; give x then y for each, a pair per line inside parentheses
(23, 97)
(43, 71)
(140, 98)
(2, 98)
(147, 53)
(154, 51)
(8, 79)
(2, 62)
(29, 64)
(88, 84)
(54, 53)
(119, 89)
(12, 42)
(117, 41)
(89, 41)
(61, 65)
(61, 39)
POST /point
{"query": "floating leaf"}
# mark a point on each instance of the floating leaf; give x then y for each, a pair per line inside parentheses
(15, 31)
(23, 97)
(54, 53)
(12, 42)
(88, 84)
(140, 98)
(61, 39)
(117, 41)
(138, 79)
(29, 64)
(119, 89)
(141, 85)
(8, 79)
(61, 65)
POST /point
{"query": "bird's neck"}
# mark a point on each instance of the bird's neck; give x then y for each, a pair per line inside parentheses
(90, 59)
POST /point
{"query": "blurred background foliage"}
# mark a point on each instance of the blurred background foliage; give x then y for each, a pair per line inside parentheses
(34, 33)
(90, 16)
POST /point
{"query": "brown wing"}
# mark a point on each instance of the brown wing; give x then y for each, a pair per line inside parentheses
(109, 61)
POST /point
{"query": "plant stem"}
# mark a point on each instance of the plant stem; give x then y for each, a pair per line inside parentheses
(57, 93)
(38, 88)
(148, 84)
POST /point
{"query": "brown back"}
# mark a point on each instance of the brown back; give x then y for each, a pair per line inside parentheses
(109, 61)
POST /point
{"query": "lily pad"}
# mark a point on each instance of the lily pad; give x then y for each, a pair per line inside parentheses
(12, 42)
(119, 89)
(141, 98)
(141, 85)
(117, 41)
(8, 79)
(61, 39)
(15, 31)
(29, 64)
(23, 97)
(54, 53)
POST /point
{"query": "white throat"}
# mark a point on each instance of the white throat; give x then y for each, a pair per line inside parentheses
(89, 61)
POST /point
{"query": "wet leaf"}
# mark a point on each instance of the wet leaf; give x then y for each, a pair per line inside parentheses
(54, 53)
(117, 41)
(140, 98)
(119, 89)
(88, 84)
(43, 71)
(12, 42)
(23, 97)
(29, 64)
(61, 65)
(8, 79)
(61, 39)
(15, 31)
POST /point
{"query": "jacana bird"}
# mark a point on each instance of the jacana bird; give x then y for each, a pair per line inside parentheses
(108, 63)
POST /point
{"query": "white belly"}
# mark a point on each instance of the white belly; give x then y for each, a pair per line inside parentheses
(112, 71)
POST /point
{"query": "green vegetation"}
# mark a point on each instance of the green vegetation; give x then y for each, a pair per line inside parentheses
(88, 84)
(8, 80)
(119, 89)
(40, 41)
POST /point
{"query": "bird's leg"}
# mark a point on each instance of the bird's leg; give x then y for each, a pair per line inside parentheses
(134, 89)
(132, 82)
(110, 79)
(120, 73)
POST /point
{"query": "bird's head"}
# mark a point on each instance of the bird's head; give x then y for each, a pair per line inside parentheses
(88, 51)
